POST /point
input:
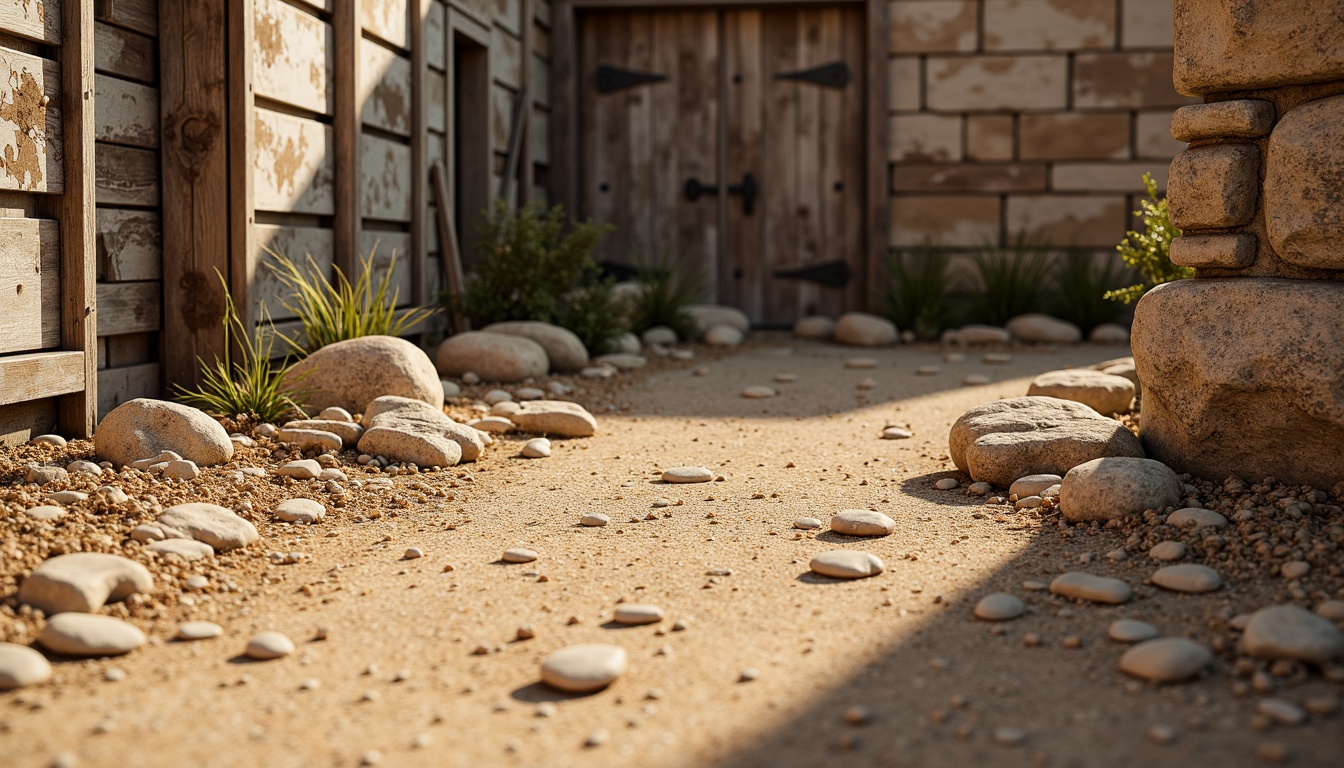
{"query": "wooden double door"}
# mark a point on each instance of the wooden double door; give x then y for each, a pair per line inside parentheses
(731, 142)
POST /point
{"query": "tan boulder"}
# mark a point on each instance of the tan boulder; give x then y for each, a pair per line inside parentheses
(860, 329)
(142, 428)
(1304, 185)
(431, 425)
(1222, 46)
(492, 356)
(564, 352)
(353, 372)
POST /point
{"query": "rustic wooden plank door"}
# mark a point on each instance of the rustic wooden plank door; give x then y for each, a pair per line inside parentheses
(732, 142)
(650, 121)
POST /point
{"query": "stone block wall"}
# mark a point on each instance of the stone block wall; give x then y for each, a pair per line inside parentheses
(1035, 116)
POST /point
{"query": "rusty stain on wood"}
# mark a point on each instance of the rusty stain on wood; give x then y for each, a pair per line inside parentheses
(23, 103)
(293, 163)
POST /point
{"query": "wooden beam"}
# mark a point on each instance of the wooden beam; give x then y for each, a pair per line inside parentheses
(241, 147)
(77, 410)
(564, 108)
(421, 293)
(44, 374)
(527, 179)
(346, 131)
(448, 244)
(134, 308)
(195, 163)
(877, 204)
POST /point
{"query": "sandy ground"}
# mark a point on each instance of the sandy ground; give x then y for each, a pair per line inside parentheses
(421, 664)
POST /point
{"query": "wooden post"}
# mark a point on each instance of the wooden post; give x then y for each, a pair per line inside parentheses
(78, 411)
(876, 226)
(527, 179)
(421, 292)
(346, 132)
(564, 112)
(194, 150)
(242, 157)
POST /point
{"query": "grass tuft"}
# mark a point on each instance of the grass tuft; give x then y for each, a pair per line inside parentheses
(665, 291)
(1012, 280)
(920, 293)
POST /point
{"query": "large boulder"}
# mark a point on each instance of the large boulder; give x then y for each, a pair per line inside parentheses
(1043, 329)
(707, 316)
(1111, 488)
(409, 430)
(1102, 392)
(1242, 377)
(350, 373)
(564, 351)
(141, 428)
(1001, 441)
(83, 582)
(492, 356)
(860, 329)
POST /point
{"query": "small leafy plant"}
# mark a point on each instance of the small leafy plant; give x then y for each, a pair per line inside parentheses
(1149, 251)
(919, 293)
(337, 311)
(251, 385)
(530, 268)
(1081, 287)
(1011, 280)
(666, 289)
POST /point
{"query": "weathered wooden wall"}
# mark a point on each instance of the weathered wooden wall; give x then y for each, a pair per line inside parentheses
(129, 229)
(47, 353)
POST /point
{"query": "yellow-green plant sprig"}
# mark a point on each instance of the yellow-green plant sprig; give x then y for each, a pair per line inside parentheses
(250, 387)
(337, 311)
(1150, 251)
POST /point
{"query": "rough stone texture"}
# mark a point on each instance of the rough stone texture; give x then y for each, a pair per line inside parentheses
(1241, 377)
(353, 372)
(83, 582)
(22, 666)
(348, 431)
(1124, 79)
(860, 329)
(1226, 46)
(1219, 251)
(1212, 187)
(403, 445)
(559, 418)
(1043, 328)
(311, 439)
(1102, 392)
(87, 634)
(1074, 136)
(413, 417)
(707, 316)
(1111, 488)
(1304, 184)
(564, 351)
(1001, 441)
(1292, 632)
(492, 356)
(142, 427)
(215, 525)
(814, 327)
(1238, 118)
(187, 549)
(982, 83)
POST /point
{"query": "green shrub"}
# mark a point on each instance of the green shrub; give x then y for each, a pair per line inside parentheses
(1149, 251)
(920, 294)
(332, 312)
(666, 289)
(1011, 280)
(1080, 286)
(528, 268)
(250, 386)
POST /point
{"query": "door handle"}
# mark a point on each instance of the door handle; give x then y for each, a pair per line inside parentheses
(748, 189)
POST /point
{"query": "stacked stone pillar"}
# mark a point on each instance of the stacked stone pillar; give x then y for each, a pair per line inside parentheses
(1242, 367)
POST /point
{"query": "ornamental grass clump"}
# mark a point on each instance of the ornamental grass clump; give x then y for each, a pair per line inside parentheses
(333, 311)
(920, 293)
(1012, 280)
(1080, 286)
(666, 290)
(249, 385)
(1149, 251)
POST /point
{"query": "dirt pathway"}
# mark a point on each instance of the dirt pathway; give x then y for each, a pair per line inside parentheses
(421, 663)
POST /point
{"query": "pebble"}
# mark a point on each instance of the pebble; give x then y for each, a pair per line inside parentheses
(115, 496)
(529, 393)
(896, 433)
(946, 484)
(996, 358)
(757, 392)
(1291, 632)
(807, 523)
(266, 430)
(866, 384)
(519, 555)
(303, 469)
(637, 613)
(701, 371)
(21, 666)
(786, 378)
(1281, 711)
(1007, 736)
(300, 511)
(198, 630)
(687, 475)
(1033, 485)
(182, 469)
(748, 674)
(1030, 502)
(413, 553)
(269, 645)
(1332, 610)
(45, 512)
(197, 581)
(1272, 752)
(83, 582)
(55, 440)
(860, 363)
(1162, 735)
(1295, 569)
(495, 425)
(1165, 659)
(1167, 551)
(862, 522)
(999, 607)
(506, 408)
(594, 520)
(68, 497)
(979, 489)
(583, 668)
(928, 370)
(846, 564)
(536, 448)
(975, 380)
(597, 738)
(187, 549)
(450, 389)
(89, 634)
(497, 396)
(1188, 577)
(1085, 586)
(1194, 517)
(335, 413)
(80, 466)
(1131, 631)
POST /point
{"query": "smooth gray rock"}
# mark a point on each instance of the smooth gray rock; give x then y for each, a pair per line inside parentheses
(637, 613)
(1131, 631)
(814, 327)
(687, 475)
(1195, 517)
(1292, 632)
(1113, 487)
(198, 630)
(1032, 485)
(215, 525)
(1165, 660)
(1102, 392)
(999, 607)
(558, 418)
(265, 646)
(143, 427)
(302, 469)
(1043, 329)
(83, 582)
(187, 549)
